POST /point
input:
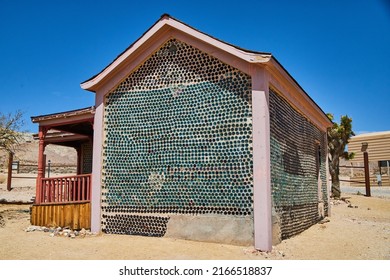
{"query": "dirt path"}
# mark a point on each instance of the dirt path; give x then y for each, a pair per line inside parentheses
(352, 233)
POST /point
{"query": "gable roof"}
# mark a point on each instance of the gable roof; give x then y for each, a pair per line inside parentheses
(168, 26)
(165, 23)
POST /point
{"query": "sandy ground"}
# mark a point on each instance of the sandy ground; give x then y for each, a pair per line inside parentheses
(358, 229)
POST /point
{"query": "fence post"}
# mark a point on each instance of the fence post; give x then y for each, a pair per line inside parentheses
(367, 173)
(9, 179)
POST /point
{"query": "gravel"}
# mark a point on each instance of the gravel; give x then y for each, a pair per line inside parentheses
(383, 192)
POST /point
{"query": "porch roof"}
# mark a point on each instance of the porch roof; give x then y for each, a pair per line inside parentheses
(68, 128)
(87, 112)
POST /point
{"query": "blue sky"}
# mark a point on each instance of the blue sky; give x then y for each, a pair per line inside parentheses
(338, 51)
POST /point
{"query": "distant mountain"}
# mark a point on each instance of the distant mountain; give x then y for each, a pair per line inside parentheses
(28, 153)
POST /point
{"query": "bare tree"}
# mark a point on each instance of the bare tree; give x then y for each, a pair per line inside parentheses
(10, 135)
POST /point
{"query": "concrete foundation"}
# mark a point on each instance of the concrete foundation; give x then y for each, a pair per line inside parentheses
(228, 230)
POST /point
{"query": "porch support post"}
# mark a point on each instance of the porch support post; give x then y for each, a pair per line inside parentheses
(41, 163)
(262, 211)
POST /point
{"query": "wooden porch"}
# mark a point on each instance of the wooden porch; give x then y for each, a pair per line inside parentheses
(65, 201)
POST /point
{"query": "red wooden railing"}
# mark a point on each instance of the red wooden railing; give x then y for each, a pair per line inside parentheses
(67, 189)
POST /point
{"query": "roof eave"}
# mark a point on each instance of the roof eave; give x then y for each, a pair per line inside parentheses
(276, 66)
(67, 114)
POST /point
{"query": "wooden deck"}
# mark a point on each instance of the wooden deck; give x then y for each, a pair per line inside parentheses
(72, 215)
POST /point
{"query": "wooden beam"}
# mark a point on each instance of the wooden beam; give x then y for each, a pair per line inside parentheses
(41, 163)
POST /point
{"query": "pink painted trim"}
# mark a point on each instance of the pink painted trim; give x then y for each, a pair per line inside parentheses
(244, 55)
(116, 78)
(162, 26)
(97, 165)
(290, 90)
(262, 204)
(168, 27)
(123, 71)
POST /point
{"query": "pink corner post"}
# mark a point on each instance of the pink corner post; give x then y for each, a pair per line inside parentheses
(261, 160)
